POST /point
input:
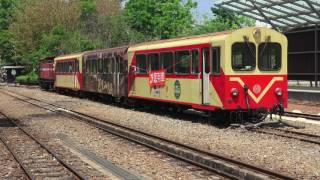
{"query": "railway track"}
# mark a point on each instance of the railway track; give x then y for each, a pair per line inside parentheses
(302, 115)
(35, 158)
(305, 137)
(224, 166)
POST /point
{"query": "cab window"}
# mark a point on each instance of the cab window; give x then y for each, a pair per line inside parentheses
(243, 56)
(269, 56)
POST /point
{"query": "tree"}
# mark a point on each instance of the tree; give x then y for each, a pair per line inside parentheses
(6, 39)
(223, 20)
(160, 19)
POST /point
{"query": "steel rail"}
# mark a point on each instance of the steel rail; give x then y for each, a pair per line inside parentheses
(310, 138)
(53, 153)
(123, 132)
(302, 115)
(24, 169)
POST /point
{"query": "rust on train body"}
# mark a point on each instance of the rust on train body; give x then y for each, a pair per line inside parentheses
(106, 71)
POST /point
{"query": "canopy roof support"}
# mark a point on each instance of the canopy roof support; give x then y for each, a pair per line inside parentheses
(284, 14)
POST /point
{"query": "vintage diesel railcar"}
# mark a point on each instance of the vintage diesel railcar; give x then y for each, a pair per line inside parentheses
(46, 73)
(234, 70)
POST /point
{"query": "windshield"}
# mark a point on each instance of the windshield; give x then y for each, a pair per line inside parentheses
(243, 56)
(269, 56)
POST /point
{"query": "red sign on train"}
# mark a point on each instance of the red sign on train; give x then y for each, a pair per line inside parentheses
(157, 78)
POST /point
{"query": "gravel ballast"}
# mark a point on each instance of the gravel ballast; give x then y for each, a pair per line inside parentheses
(298, 159)
(137, 159)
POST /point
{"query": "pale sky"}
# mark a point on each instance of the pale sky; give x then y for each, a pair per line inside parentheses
(204, 8)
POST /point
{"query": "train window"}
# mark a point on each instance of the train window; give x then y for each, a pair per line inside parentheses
(123, 65)
(76, 66)
(90, 66)
(64, 67)
(87, 66)
(166, 59)
(182, 62)
(70, 67)
(104, 65)
(269, 56)
(195, 61)
(109, 64)
(99, 61)
(141, 64)
(95, 66)
(154, 63)
(215, 60)
(243, 56)
(206, 59)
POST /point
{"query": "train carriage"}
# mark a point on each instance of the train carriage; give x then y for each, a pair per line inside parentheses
(68, 72)
(46, 73)
(235, 70)
(106, 71)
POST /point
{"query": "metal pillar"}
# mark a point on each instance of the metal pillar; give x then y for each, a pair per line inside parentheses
(316, 61)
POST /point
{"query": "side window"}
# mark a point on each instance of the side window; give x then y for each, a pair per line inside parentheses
(215, 60)
(95, 66)
(90, 66)
(182, 62)
(76, 66)
(109, 64)
(87, 66)
(141, 64)
(166, 59)
(154, 63)
(64, 64)
(206, 59)
(100, 65)
(195, 61)
(104, 64)
(70, 67)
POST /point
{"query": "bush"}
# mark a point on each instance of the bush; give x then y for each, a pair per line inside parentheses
(30, 79)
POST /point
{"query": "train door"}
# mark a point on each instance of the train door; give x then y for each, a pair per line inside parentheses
(116, 74)
(74, 72)
(205, 75)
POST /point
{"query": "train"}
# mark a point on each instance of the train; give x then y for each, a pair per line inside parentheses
(236, 72)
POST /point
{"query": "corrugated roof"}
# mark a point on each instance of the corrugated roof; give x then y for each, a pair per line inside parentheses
(285, 14)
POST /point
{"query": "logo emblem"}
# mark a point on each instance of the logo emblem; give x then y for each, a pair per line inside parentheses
(177, 89)
(256, 88)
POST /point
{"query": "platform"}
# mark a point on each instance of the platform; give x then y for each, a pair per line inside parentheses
(311, 94)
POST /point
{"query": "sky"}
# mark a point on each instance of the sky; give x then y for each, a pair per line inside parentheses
(204, 8)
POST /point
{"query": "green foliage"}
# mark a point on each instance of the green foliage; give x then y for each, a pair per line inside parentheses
(88, 8)
(59, 41)
(160, 18)
(6, 40)
(223, 20)
(30, 78)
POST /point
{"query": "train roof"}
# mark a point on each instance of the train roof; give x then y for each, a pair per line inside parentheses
(69, 56)
(190, 40)
(118, 50)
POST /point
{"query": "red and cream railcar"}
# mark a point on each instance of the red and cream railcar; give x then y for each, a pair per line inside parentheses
(235, 70)
(68, 72)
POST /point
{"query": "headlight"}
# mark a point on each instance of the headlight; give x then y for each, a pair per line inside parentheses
(234, 92)
(278, 91)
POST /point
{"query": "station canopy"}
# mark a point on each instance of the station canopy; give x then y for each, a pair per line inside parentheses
(284, 14)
